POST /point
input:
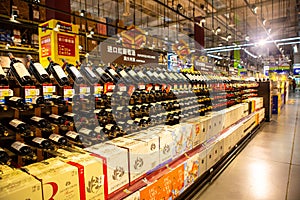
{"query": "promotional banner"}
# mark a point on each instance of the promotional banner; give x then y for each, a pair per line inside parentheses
(58, 40)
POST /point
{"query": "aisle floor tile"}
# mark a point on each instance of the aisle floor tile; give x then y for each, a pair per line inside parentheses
(294, 192)
(249, 178)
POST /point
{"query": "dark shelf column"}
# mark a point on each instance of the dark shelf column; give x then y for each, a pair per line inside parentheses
(63, 5)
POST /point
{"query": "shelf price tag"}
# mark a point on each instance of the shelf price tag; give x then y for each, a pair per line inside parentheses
(2, 100)
(84, 90)
(97, 90)
(68, 92)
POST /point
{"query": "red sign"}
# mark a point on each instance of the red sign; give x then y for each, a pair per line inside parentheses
(66, 45)
(46, 45)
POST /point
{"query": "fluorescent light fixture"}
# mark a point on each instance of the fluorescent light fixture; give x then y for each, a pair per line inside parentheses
(213, 56)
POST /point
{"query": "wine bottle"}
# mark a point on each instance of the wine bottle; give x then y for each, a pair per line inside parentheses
(73, 136)
(38, 101)
(16, 102)
(58, 100)
(3, 79)
(39, 122)
(56, 119)
(71, 116)
(58, 139)
(4, 157)
(89, 74)
(20, 127)
(38, 142)
(73, 72)
(19, 71)
(38, 71)
(87, 132)
(20, 148)
(113, 74)
(57, 72)
(102, 75)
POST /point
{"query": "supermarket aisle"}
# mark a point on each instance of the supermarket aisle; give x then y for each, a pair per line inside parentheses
(269, 167)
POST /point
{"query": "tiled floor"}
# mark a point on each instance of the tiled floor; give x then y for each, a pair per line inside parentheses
(268, 168)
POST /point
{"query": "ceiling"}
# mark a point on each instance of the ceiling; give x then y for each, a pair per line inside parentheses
(166, 18)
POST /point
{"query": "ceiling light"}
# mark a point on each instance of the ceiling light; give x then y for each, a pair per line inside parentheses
(82, 12)
(295, 48)
(247, 38)
(262, 42)
(57, 27)
(179, 7)
(254, 9)
(202, 20)
(218, 29)
(229, 36)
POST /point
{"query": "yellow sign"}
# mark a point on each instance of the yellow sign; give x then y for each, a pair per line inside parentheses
(58, 40)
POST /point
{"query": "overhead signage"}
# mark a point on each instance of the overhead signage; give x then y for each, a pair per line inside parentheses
(111, 53)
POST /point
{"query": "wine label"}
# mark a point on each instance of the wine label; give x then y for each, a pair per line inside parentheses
(98, 129)
(41, 70)
(109, 126)
(120, 108)
(156, 88)
(122, 88)
(141, 74)
(156, 74)
(54, 116)
(75, 71)
(108, 110)
(55, 137)
(2, 72)
(97, 111)
(15, 122)
(137, 120)
(85, 131)
(113, 72)
(90, 72)
(146, 118)
(21, 70)
(18, 145)
(100, 71)
(69, 114)
(35, 118)
(132, 73)
(38, 140)
(123, 73)
(14, 98)
(130, 122)
(59, 71)
(72, 134)
(142, 86)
